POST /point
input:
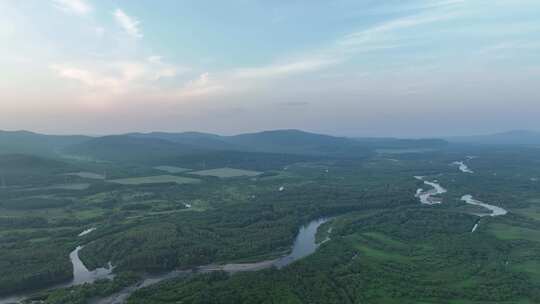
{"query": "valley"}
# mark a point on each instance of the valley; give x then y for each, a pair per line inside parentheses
(221, 219)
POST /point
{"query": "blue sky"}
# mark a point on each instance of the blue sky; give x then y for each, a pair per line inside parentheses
(357, 68)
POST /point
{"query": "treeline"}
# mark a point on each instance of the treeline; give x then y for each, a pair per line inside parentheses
(264, 226)
(33, 265)
(381, 257)
(82, 294)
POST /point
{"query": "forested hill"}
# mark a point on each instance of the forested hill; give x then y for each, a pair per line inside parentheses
(37, 144)
(277, 141)
(134, 147)
(130, 149)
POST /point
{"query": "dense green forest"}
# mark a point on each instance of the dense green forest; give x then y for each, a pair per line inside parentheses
(382, 245)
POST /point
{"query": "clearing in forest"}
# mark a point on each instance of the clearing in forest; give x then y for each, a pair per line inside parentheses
(227, 172)
(158, 179)
(172, 169)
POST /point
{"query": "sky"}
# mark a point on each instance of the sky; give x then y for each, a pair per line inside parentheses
(402, 68)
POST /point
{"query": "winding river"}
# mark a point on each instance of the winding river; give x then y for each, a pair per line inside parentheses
(495, 210)
(463, 167)
(303, 246)
(87, 231)
(81, 275)
(427, 196)
(304, 243)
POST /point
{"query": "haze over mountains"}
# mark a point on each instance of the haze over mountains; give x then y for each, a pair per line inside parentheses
(133, 146)
(515, 137)
(155, 145)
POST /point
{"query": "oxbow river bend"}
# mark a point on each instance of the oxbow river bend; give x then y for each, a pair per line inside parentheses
(303, 246)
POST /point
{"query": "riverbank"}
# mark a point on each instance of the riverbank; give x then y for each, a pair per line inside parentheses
(427, 197)
(304, 245)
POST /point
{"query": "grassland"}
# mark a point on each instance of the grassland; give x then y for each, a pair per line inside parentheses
(172, 169)
(158, 179)
(507, 232)
(73, 186)
(227, 173)
(88, 175)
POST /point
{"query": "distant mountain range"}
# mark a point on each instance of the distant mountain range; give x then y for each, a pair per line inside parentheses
(516, 137)
(159, 145)
(162, 145)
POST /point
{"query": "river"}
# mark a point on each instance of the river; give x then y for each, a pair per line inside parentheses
(81, 275)
(463, 167)
(303, 246)
(87, 231)
(495, 210)
(427, 196)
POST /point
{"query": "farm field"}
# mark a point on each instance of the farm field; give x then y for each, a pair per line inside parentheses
(89, 175)
(270, 152)
(172, 169)
(227, 173)
(158, 179)
(380, 245)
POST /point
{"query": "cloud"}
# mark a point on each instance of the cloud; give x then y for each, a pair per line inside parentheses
(245, 79)
(129, 24)
(283, 69)
(144, 76)
(376, 32)
(163, 70)
(370, 39)
(77, 7)
(89, 78)
(116, 78)
(201, 86)
(512, 46)
(154, 59)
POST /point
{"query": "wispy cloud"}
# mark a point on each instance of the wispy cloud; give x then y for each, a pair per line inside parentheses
(142, 76)
(201, 86)
(89, 78)
(77, 7)
(382, 36)
(283, 69)
(128, 23)
(512, 46)
(376, 32)
(117, 78)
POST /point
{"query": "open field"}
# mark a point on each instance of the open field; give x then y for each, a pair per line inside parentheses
(227, 172)
(172, 169)
(507, 232)
(75, 186)
(158, 179)
(381, 246)
(531, 212)
(89, 175)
